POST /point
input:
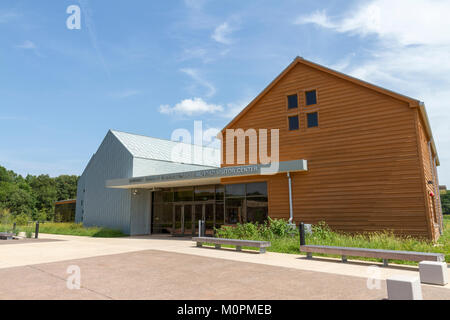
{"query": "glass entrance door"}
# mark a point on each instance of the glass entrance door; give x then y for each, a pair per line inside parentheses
(182, 220)
(204, 211)
(178, 220)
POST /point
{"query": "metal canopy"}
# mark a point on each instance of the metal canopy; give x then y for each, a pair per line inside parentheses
(207, 176)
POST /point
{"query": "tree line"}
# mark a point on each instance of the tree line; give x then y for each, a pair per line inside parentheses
(34, 196)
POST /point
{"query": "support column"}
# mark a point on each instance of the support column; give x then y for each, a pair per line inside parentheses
(291, 212)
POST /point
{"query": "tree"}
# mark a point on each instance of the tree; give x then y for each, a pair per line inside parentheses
(34, 196)
(66, 187)
(44, 189)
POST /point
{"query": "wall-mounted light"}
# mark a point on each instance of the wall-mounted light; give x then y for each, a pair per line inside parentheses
(135, 192)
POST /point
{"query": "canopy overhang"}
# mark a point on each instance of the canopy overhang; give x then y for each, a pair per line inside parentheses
(207, 176)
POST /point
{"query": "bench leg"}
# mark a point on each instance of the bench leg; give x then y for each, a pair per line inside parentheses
(199, 244)
(238, 248)
(344, 259)
(262, 250)
(309, 255)
(385, 262)
(218, 246)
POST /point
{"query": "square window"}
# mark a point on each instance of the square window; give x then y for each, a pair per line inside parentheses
(312, 119)
(293, 123)
(311, 97)
(292, 101)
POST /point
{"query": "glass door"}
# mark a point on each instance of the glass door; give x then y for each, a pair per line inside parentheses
(209, 218)
(182, 220)
(178, 220)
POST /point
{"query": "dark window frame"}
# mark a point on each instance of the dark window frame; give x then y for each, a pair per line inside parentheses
(289, 122)
(317, 120)
(306, 97)
(296, 99)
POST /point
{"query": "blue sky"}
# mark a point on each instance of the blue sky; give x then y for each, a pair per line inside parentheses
(150, 67)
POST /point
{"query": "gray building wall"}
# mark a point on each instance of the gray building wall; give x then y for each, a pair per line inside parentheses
(140, 212)
(103, 206)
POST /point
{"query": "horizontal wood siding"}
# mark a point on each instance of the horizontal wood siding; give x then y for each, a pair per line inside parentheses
(363, 161)
(433, 208)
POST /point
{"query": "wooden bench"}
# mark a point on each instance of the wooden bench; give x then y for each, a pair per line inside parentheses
(218, 242)
(371, 253)
(6, 236)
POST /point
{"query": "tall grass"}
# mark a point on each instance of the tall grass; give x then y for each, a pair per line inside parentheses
(285, 240)
(74, 229)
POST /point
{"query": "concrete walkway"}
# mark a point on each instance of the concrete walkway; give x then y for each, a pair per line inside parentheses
(175, 260)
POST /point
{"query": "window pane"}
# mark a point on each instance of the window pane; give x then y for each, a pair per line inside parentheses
(220, 192)
(257, 202)
(235, 190)
(257, 189)
(163, 196)
(292, 101)
(293, 123)
(162, 218)
(257, 214)
(313, 120)
(219, 215)
(183, 194)
(234, 211)
(204, 193)
(311, 97)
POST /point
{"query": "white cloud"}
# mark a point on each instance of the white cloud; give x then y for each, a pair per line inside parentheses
(319, 17)
(191, 107)
(411, 55)
(404, 21)
(194, 74)
(27, 45)
(234, 108)
(222, 32)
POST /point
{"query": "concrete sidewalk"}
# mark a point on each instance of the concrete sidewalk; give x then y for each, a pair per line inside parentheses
(70, 248)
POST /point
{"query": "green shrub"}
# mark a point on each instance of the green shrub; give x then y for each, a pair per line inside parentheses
(28, 233)
(21, 219)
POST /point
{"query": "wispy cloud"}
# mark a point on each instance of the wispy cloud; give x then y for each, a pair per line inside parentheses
(11, 118)
(7, 16)
(89, 23)
(27, 45)
(195, 4)
(195, 106)
(125, 93)
(222, 32)
(195, 75)
(411, 54)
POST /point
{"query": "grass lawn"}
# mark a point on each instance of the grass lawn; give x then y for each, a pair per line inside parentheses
(73, 229)
(322, 235)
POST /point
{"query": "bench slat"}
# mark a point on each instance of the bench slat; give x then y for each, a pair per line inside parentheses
(234, 242)
(374, 253)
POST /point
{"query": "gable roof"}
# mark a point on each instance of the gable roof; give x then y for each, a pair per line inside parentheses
(159, 149)
(413, 103)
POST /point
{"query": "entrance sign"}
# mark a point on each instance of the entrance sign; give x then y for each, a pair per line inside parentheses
(199, 176)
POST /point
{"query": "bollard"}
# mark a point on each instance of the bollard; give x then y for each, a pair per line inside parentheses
(200, 228)
(301, 227)
(36, 232)
(203, 228)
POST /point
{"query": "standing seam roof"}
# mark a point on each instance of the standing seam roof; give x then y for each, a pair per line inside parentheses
(165, 150)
